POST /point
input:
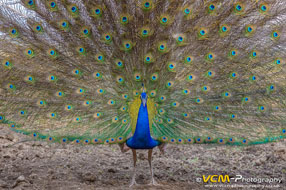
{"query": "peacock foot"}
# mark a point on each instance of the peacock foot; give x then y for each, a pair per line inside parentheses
(155, 183)
(133, 183)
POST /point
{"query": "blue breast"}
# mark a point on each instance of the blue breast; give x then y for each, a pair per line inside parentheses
(141, 138)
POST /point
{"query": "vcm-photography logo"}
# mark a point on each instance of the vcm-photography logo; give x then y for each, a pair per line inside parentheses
(236, 179)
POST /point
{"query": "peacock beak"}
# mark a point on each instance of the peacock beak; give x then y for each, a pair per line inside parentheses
(144, 101)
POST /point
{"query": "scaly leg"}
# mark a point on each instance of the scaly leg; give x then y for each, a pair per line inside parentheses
(133, 182)
(153, 182)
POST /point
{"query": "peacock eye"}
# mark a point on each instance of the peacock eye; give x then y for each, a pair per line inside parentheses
(263, 8)
(275, 34)
(73, 9)
(187, 11)
(53, 4)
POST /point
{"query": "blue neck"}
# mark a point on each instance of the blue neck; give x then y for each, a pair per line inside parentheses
(141, 138)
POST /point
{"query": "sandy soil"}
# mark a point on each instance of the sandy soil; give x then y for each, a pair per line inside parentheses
(41, 165)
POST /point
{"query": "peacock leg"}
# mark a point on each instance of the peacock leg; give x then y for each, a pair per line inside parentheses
(162, 148)
(153, 182)
(123, 147)
(133, 182)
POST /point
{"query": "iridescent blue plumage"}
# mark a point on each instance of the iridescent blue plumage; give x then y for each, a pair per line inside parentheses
(142, 137)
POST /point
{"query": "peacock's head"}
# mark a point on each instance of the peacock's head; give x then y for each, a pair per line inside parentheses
(143, 98)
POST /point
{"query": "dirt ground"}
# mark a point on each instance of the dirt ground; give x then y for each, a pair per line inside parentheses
(42, 165)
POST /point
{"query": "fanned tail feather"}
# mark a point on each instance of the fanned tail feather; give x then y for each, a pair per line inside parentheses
(215, 69)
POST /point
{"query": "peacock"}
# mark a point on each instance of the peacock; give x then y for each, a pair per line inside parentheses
(144, 73)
